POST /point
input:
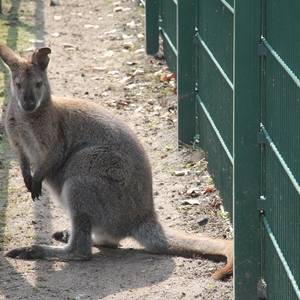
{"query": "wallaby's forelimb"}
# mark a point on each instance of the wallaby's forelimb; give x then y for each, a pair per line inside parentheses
(24, 161)
(26, 172)
(48, 166)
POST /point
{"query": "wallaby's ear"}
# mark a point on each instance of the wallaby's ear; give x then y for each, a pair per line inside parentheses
(40, 57)
(9, 57)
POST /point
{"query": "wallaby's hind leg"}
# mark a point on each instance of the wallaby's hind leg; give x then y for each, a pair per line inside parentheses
(79, 246)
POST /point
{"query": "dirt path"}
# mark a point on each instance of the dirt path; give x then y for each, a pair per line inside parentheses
(97, 54)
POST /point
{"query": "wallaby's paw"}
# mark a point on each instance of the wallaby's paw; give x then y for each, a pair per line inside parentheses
(61, 236)
(27, 253)
(36, 189)
(28, 182)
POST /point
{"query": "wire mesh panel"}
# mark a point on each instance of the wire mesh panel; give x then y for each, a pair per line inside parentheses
(161, 17)
(280, 128)
(214, 89)
(168, 30)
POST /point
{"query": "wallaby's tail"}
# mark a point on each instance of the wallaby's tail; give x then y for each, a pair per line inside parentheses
(157, 240)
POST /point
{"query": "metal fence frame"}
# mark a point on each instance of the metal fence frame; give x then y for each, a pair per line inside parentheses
(251, 139)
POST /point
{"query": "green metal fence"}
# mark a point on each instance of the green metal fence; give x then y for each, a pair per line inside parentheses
(280, 129)
(164, 12)
(214, 106)
(238, 68)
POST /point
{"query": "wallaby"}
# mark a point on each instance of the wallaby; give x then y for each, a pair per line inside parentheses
(94, 164)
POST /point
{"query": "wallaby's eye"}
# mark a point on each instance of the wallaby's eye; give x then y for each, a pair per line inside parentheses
(38, 84)
(18, 84)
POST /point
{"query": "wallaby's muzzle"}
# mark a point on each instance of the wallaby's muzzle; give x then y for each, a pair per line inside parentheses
(29, 104)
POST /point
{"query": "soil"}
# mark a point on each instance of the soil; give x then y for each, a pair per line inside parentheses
(98, 55)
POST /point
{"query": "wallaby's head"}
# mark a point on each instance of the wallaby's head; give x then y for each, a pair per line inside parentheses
(29, 83)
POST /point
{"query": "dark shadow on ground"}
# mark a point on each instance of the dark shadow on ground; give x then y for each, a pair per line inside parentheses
(109, 272)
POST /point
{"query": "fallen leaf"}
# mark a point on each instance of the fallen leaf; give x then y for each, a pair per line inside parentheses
(209, 189)
(130, 86)
(118, 9)
(110, 32)
(99, 69)
(57, 18)
(138, 72)
(131, 24)
(126, 37)
(55, 34)
(203, 221)
(91, 26)
(181, 173)
(142, 50)
(131, 63)
(113, 72)
(193, 192)
(128, 45)
(190, 202)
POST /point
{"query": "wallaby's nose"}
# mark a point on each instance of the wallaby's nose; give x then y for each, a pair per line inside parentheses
(29, 106)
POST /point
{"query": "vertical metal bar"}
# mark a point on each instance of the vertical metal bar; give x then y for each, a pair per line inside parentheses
(152, 27)
(263, 90)
(185, 70)
(246, 184)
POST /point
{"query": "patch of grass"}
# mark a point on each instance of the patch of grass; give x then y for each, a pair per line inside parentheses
(17, 28)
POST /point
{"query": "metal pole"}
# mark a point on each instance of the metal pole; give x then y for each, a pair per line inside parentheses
(152, 28)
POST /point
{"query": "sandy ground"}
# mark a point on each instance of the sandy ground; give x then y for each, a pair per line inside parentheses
(98, 54)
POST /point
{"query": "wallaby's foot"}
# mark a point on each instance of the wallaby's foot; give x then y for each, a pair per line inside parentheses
(33, 252)
(61, 236)
(64, 236)
(49, 253)
(79, 246)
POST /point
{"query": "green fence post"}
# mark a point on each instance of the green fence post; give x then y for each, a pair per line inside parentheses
(152, 27)
(185, 70)
(246, 149)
